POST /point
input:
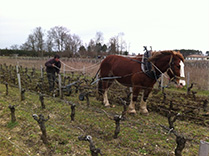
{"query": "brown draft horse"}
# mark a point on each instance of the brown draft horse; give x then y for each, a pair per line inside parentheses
(128, 72)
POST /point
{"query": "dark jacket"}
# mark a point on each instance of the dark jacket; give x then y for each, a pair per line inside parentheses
(50, 69)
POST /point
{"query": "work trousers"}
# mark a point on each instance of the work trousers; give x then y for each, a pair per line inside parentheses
(51, 80)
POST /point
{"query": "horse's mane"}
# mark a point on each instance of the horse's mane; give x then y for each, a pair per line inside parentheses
(157, 55)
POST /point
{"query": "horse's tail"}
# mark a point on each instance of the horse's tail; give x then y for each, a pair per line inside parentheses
(99, 83)
(96, 75)
(100, 90)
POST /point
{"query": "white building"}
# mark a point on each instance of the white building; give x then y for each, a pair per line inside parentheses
(197, 57)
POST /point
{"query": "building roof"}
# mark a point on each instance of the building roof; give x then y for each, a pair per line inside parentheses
(197, 56)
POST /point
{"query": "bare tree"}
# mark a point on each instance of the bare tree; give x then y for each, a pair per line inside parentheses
(58, 36)
(29, 44)
(35, 41)
(14, 47)
(99, 37)
(117, 45)
(91, 47)
(113, 43)
(39, 38)
(122, 46)
(68, 45)
(49, 43)
(76, 43)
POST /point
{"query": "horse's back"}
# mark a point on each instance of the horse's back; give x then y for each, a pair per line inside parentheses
(112, 58)
(119, 65)
(114, 61)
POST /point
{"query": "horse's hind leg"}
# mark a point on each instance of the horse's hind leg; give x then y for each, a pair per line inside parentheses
(100, 88)
(105, 98)
(105, 86)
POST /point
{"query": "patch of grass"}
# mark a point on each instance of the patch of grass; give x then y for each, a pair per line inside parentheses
(139, 135)
(12, 124)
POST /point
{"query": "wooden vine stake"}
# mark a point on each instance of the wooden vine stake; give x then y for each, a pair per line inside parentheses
(117, 119)
(87, 99)
(73, 105)
(72, 112)
(41, 98)
(180, 139)
(19, 84)
(94, 151)
(205, 105)
(41, 121)
(124, 108)
(60, 86)
(41, 71)
(22, 94)
(12, 109)
(7, 90)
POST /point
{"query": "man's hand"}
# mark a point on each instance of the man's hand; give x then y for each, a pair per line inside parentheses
(53, 65)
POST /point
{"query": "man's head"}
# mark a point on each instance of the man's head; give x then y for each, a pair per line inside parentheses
(56, 58)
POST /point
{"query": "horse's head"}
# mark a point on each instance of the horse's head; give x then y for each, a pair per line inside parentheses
(176, 69)
(171, 62)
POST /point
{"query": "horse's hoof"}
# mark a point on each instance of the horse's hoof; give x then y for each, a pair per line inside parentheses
(107, 105)
(143, 112)
(132, 112)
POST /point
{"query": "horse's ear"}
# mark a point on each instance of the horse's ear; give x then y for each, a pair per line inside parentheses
(179, 54)
(175, 52)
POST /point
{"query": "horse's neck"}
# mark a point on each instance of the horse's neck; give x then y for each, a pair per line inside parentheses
(163, 63)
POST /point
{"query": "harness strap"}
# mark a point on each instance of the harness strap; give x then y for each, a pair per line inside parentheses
(136, 61)
(152, 74)
(106, 78)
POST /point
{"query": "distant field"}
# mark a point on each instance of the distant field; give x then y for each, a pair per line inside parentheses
(198, 73)
(89, 66)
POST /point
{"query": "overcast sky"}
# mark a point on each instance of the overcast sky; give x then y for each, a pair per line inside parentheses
(162, 24)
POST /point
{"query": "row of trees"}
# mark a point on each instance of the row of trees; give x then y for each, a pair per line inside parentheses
(59, 39)
(186, 52)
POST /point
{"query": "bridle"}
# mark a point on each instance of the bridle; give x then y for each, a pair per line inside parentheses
(170, 64)
(175, 77)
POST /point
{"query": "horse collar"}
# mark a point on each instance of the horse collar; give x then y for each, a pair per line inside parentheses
(152, 74)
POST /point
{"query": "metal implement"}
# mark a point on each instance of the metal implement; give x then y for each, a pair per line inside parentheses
(106, 78)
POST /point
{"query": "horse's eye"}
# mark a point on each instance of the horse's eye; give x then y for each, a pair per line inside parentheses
(178, 66)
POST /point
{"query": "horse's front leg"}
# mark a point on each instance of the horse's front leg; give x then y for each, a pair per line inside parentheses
(143, 103)
(134, 95)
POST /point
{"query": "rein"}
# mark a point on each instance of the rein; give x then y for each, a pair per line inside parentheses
(136, 61)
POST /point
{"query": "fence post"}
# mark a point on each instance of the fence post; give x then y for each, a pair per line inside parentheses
(188, 79)
(17, 69)
(161, 84)
(64, 71)
(19, 84)
(204, 148)
(60, 85)
(41, 71)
